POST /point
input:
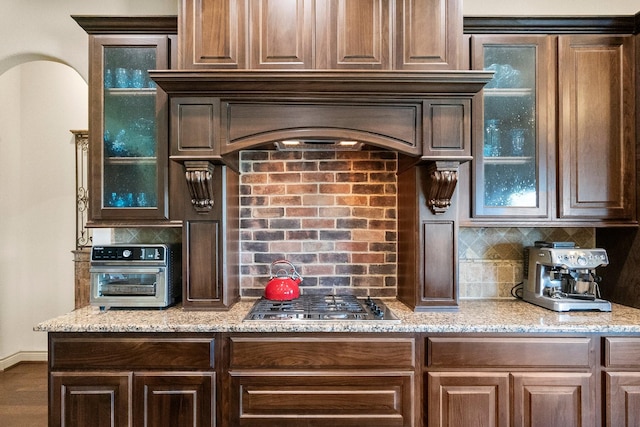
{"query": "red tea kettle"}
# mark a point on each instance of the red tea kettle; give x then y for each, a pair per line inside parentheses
(283, 284)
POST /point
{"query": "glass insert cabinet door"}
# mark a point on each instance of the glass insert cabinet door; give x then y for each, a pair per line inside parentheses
(128, 128)
(510, 160)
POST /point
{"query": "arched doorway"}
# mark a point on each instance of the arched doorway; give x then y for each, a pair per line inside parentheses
(42, 100)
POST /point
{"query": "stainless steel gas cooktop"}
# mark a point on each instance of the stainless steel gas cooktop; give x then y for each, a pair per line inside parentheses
(321, 307)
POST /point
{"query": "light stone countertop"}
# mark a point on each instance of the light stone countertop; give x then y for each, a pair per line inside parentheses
(474, 316)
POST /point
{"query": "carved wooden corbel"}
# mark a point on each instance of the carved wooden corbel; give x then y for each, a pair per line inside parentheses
(443, 178)
(199, 175)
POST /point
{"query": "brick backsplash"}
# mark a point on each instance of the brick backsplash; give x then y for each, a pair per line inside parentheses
(331, 213)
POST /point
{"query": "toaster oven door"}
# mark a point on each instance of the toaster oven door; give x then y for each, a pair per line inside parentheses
(129, 287)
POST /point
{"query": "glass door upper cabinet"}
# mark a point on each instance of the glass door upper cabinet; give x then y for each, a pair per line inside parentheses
(510, 166)
(128, 129)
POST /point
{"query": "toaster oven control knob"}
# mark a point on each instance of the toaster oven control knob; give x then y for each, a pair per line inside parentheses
(126, 253)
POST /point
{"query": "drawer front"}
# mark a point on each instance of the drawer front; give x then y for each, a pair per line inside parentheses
(509, 352)
(328, 353)
(622, 352)
(131, 353)
(322, 398)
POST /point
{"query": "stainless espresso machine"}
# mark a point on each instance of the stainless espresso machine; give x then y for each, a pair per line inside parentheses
(561, 277)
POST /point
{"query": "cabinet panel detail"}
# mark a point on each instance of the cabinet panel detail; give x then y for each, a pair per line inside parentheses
(303, 352)
(439, 265)
(553, 399)
(468, 398)
(89, 398)
(194, 124)
(281, 34)
(131, 353)
(176, 399)
(322, 398)
(512, 352)
(596, 143)
(201, 262)
(622, 352)
(359, 34)
(622, 396)
(212, 33)
(447, 128)
(440, 46)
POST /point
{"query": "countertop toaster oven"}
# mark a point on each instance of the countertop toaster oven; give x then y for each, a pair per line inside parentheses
(135, 276)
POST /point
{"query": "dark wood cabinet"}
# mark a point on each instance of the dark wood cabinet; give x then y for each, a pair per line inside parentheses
(512, 185)
(467, 398)
(338, 379)
(132, 380)
(621, 381)
(281, 34)
(205, 200)
(128, 119)
(322, 380)
(580, 165)
(510, 381)
(96, 398)
(553, 399)
(174, 399)
(596, 129)
(439, 47)
(427, 242)
(333, 34)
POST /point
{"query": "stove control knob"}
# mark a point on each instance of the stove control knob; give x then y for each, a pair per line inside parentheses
(126, 253)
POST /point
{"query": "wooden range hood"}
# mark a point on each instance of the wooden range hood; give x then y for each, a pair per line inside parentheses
(423, 116)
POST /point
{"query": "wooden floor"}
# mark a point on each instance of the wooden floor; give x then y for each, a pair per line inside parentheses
(23, 395)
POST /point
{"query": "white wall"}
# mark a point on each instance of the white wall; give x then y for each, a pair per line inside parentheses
(44, 28)
(43, 69)
(550, 7)
(41, 101)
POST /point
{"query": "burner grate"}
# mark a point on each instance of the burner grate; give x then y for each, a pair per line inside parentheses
(321, 307)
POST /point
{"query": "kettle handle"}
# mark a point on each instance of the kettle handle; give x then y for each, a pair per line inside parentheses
(292, 272)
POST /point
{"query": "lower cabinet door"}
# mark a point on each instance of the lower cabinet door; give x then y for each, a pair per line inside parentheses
(467, 399)
(350, 399)
(559, 399)
(175, 399)
(622, 391)
(96, 399)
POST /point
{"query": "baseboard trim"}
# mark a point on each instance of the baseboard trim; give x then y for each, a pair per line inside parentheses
(23, 356)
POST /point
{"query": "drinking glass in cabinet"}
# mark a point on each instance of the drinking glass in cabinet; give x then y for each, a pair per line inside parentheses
(517, 142)
(492, 138)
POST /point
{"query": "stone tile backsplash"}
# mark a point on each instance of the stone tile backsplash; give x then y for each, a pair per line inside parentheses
(491, 259)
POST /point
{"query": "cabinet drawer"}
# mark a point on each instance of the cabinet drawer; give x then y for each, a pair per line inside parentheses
(509, 352)
(131, 353)
(321, 398)
(622, 352)
(329, 353)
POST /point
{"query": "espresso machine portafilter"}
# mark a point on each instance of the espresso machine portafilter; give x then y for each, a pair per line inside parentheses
(561, 277)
